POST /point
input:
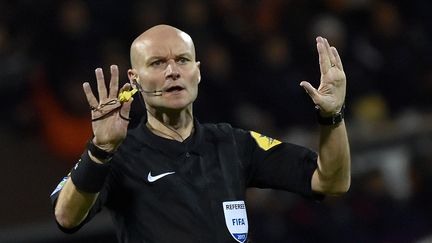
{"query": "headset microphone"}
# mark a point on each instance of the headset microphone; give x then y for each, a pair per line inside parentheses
(125, 95)
(153, 93)
(140, 89)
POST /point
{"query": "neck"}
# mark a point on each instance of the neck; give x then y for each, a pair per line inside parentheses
(177, 125)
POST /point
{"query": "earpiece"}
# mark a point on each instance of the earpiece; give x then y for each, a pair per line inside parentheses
(137, 85)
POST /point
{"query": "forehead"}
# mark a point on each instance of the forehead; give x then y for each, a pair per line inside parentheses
(166, 44)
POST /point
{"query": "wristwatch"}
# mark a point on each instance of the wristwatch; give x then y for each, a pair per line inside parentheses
(331, 120)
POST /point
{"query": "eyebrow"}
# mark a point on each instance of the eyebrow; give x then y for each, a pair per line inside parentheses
(153, 58)
(185, 54)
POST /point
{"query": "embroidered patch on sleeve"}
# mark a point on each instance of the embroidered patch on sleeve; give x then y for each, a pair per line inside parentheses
(60, 185)
(263, 141)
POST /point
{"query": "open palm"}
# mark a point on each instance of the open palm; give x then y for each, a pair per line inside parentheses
(109, 116)
(330, 95)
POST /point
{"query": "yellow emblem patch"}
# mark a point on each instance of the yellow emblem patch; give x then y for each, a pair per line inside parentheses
(263, 141)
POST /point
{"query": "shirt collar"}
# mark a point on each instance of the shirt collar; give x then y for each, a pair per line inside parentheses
(171, 147)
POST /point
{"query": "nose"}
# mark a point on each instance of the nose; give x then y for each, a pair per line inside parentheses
(172, 71)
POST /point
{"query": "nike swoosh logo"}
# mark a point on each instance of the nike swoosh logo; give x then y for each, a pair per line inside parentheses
(151, 178)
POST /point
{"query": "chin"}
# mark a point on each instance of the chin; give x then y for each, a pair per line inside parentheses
(173, 103)
(179, 106)
(176, 105)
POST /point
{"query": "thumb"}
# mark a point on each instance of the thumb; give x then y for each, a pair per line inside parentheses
(125, 109)
(311, 91)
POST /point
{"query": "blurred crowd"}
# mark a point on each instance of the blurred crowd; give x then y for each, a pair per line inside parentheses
(253, 56)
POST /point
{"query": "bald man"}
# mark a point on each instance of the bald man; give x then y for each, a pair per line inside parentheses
(172, 179)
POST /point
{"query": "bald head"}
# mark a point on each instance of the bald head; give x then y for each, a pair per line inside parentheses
(160, 39)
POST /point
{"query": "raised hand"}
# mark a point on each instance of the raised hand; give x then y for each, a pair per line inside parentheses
(330, 95)
(109, 115)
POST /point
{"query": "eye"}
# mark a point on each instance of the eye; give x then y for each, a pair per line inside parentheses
(182, 60)
(156, 63)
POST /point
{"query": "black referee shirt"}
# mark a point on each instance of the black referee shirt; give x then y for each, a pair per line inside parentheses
(160, 190)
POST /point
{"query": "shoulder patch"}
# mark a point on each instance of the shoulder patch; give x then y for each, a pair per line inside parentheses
(263, 141)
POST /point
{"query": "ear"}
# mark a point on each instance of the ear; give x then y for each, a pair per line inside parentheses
(134, 80)
(199, 71)
(133, 76)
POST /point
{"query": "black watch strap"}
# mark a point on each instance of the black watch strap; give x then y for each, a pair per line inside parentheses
(331, 120)
(98, 152)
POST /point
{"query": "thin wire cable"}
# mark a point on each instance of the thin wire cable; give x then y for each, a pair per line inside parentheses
(111, 102)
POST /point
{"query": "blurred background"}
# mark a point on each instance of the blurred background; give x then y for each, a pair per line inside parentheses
(253, 56)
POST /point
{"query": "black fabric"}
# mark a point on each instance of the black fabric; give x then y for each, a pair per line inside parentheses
(332, 120)
(98, 152)
(89, 176)
(214, 165)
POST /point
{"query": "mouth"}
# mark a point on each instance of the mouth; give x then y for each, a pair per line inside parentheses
(174, 88)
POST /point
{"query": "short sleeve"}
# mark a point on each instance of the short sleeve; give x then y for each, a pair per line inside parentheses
(278, 165)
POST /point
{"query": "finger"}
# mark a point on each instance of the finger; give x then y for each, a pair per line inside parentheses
(125, 109)
(311, 91)
(330, 53)
(101, 84)
(114, 81)
(324, 60)
(338, 61)
(126, 86)
(91, 99)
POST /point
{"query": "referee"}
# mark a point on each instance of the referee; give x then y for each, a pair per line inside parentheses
(173, 179)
